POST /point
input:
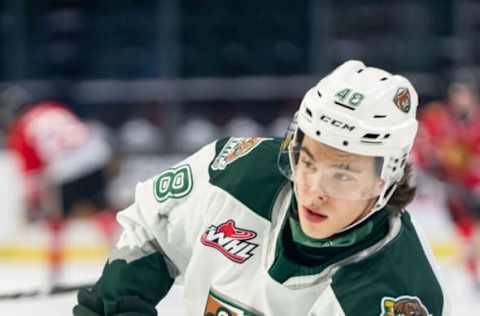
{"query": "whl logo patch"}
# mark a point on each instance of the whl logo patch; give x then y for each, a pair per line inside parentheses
(231, 241)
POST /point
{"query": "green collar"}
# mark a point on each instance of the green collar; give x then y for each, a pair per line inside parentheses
(297, 254)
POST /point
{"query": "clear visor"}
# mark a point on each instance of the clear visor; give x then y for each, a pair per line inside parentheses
(352, 178)
(324, 170)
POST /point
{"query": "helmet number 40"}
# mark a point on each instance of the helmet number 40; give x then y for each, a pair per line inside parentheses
(353, 98)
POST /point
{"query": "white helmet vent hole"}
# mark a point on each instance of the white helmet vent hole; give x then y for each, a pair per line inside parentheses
(383, 79)
(345, 143)
(318, 133)
(387, 192)
(319, 94)
(386, 136)
(371, 136)
(359, 71)
(379, 116)
(344, 105)
(309, 112)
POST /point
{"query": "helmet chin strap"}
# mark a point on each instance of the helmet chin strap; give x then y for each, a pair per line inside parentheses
(367, 212)
(372, 207)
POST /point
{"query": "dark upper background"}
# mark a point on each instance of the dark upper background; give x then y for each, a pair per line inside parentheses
(170, 61)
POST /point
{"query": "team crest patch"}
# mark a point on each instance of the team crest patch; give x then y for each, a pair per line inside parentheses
(403, 306)
(235, 148)
(219, 305)
(231, 241)
(402, 99)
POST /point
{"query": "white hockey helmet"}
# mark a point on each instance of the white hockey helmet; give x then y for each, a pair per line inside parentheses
(361, 110)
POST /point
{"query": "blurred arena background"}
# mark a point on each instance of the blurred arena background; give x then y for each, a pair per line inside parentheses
(159, 79)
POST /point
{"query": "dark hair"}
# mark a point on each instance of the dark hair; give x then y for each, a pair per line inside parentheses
(404, 193)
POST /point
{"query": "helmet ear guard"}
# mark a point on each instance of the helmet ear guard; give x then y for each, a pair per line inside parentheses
(360, 110)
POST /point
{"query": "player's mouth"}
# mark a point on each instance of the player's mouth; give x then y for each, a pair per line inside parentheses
(313, 216)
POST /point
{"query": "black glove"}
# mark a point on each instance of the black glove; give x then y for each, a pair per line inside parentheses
(134, 306)
(80, 310)
(89, 304)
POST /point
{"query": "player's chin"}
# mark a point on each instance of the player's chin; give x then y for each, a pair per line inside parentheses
(317, 233)
(316, 230)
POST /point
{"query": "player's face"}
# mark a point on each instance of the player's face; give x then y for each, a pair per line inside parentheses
(334, 188)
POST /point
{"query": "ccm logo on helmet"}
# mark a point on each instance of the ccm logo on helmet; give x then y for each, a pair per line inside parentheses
(336, 123)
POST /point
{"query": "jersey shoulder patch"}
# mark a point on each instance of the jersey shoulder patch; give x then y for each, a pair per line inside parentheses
(247, 169)
(235, 148)
(403, 305)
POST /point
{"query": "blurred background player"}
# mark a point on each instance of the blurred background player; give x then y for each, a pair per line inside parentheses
(448, 147)
(63, 161)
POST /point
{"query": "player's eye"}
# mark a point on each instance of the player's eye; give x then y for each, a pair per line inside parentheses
(308, 164)
(343, 177)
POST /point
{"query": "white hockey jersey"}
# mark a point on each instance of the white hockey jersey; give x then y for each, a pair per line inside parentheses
(216, 222)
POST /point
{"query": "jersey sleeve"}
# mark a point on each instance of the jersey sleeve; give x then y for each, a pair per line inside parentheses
(159, 230)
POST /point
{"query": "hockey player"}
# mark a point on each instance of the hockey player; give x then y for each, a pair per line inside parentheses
(63, 164)
(313, 225)
(62, 158)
